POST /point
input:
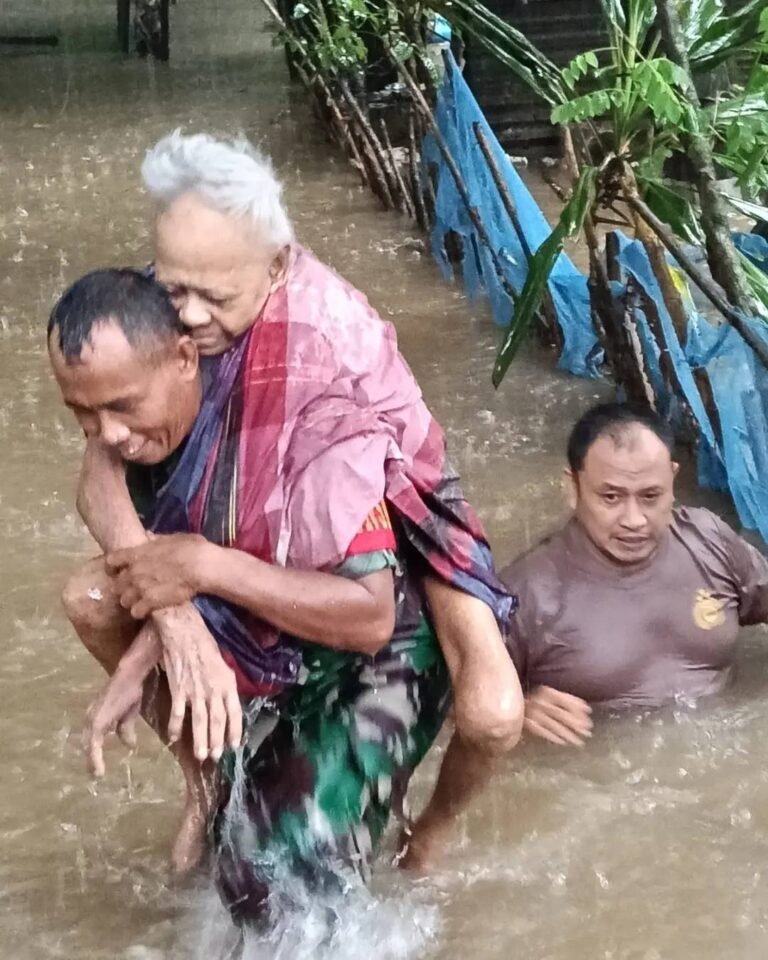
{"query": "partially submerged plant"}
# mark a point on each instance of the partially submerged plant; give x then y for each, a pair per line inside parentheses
(625, 110)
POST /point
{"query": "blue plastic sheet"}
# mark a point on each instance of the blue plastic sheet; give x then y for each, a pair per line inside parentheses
(755, 247)
(733, 457)
(737, 460)
(457, 112)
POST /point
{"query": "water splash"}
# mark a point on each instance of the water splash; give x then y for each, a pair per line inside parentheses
(344, 926)
(339, 920)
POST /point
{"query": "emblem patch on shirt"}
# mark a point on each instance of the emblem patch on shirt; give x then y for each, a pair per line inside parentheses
(708, 611)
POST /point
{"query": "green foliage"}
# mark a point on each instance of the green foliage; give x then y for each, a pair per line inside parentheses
(585, 64)
(331, 33)
(589, 106)
(661, 85)
(651, 86)
(675, 209)
(757, 280)
(715, 35)
(332, 30)
(757, 211)
(540, 267)
(738, 126)
(507, 44)
(631, 106)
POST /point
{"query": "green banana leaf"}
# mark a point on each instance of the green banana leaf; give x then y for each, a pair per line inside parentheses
(540, 267)
(717, 35)
(507, 44)
(674, 209)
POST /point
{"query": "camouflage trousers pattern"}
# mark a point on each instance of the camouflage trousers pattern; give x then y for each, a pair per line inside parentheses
(311, 791)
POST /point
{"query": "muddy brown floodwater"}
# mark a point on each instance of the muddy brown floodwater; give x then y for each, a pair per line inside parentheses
(650, 844)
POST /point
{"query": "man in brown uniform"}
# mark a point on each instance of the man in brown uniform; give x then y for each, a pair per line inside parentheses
(635, 602)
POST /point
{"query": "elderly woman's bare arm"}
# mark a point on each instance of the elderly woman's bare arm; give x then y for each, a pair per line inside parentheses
(324, 608)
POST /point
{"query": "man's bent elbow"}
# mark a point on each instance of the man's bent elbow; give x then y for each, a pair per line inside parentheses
(382, 633)
(378, 634)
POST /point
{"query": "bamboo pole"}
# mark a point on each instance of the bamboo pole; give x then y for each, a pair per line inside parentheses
(385, 177)
(345, 136)
(657, 257)
(405, 204)
(501, 186)
(414, 158)
(607, 313)
(548, 316)
(474, 216)
(429, 189)
(723, 259)
(630, 328)
(376, 177)
(597, 267)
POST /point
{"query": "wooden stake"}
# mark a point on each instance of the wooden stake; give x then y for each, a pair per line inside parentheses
(317, 80)
(405, 205)
(414, 161)
(548, 317)
(706, 286)
(373, 151)
(501, 186)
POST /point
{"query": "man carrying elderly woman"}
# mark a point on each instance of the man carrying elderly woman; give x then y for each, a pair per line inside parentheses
(289, 563)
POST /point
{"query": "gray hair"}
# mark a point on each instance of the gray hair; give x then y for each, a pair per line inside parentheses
(231, 175)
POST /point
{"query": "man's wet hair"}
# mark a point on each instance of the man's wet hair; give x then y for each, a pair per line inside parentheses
(137, 304)
(614, 420)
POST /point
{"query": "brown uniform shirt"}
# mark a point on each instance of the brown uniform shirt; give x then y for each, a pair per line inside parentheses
(587, 627)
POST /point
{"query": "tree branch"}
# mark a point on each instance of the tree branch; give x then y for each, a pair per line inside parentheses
(707, 287)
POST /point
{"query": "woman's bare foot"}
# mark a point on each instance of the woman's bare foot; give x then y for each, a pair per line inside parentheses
(422, 845)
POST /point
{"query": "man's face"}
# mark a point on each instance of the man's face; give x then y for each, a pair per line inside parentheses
(624, 494)
(216, 271)
(140, 403)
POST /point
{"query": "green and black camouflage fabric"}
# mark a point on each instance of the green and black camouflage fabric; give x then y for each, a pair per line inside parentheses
(311, 791)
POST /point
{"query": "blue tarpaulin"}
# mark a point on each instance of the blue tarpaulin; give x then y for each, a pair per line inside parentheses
(457, 111)
(733, 454)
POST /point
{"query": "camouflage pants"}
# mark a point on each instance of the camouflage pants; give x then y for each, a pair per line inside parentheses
(311, 791)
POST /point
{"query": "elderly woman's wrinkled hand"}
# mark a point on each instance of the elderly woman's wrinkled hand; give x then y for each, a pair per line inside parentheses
(167, 571)
(199, 681)
(115, 711)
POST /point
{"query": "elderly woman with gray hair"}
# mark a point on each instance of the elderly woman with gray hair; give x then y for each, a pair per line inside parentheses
(320, 451)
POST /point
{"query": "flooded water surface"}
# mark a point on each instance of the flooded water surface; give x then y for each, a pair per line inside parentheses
(650, 844)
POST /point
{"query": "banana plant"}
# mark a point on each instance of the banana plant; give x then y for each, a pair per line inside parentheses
(628, 109)
(540, 266)
(625, 104)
